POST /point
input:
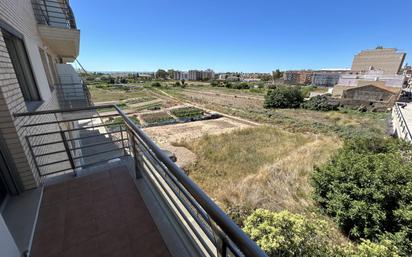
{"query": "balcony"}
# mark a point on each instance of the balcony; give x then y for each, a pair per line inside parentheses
(109, 190)
(57, 27)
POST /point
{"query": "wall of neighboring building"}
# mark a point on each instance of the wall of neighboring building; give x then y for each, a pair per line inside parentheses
(19, 17)
(368, 93)
(386, 59)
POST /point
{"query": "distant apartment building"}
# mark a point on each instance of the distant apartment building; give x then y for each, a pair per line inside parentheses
(180, 75)
(298, 77)
(208, 74)
(388, 60)
(327, 78)
(195, 75)
(201, 75)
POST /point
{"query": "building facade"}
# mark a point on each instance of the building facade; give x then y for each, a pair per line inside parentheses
(388, 60)
(35, 45)
(325, 79)
(299, 77)
(180, 75)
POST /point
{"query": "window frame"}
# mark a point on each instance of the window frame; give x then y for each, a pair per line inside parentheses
(32, 100)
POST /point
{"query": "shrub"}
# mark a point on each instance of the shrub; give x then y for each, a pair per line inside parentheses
(283, 97)
(367, 188)
(287, 234)
(367, 248)
(227, 84)
(156, 84)
(214, 83)
(320, 103)
(242, 85)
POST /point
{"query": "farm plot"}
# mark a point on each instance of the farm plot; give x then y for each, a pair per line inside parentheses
(187, 113)
(113, 124)
(157, 118)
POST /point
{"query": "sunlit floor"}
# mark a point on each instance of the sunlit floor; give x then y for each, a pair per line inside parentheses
(96, 215)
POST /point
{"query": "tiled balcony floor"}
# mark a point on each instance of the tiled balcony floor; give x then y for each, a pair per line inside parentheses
(100, 215)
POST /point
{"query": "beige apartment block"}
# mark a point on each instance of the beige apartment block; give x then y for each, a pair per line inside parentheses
(388, 60)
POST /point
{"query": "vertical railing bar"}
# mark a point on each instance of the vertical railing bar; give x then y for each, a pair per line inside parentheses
(69, 155)
(121, 135)
(34, 157)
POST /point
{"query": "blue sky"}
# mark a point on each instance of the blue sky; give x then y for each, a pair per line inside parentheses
(229, 35)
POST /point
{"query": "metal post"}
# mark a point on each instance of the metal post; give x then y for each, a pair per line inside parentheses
(121, 136)
(34, 156)
(136, 157)
(69, 155)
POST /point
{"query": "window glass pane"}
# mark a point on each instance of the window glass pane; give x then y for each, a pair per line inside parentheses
(22, 67)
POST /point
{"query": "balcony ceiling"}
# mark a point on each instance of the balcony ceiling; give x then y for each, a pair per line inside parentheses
(62, 41)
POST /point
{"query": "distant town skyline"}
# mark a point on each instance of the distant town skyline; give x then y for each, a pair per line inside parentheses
(235, 35)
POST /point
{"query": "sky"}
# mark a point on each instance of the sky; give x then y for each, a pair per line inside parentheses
(229, 35)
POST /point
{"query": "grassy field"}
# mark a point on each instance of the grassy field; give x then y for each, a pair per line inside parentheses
(112, 94)
(262, 167)
(343, 123)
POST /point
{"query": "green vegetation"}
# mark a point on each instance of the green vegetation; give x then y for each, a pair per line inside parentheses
(260, 167)
(151, 107)
(114, 123)
(283, 97)
(367, 189)
(156, 84)
(286, 234)
(115, 94)
(156, 118)
(187, 112)
(320, 103)
(139, 100)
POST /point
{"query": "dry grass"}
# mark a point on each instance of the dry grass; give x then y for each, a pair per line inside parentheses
(261, 167)
(105, 95)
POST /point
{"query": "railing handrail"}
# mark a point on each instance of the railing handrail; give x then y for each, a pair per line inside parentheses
(245, 244)
(400, 116)
(226, 224)
(46, 9)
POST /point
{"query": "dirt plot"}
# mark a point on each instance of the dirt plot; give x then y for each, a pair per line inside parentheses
(167, 136)
(235, 101)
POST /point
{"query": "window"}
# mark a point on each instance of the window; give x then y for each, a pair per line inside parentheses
(22, 67)
(46, 67)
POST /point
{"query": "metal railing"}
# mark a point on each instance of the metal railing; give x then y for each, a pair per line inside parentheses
(70, 95)
(55, 13)
(401, 125)
(208, 227)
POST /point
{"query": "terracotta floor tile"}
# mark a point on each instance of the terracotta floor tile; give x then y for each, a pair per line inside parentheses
(98, 215)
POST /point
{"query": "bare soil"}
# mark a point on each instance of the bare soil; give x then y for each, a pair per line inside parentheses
(168, 137)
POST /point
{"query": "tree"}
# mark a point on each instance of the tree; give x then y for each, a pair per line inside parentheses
(367, 188)
(277, 74)
(320, 103)
(161, 74)
(283, 97)
(171, 73)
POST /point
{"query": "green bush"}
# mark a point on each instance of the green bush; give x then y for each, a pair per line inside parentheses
(283, 97)
(320, 103)
(287, 234)
(367, 188)
(367, 248)
(156, 84)
(242, 85)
